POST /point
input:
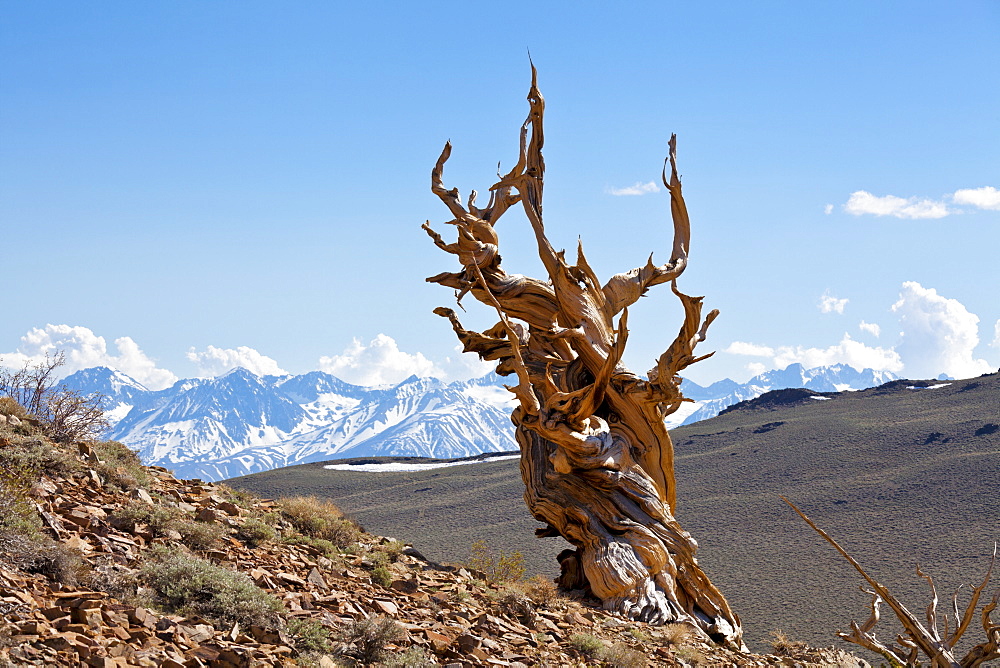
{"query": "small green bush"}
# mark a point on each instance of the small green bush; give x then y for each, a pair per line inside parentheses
(325, 547)
(120, 465)
(33, 456)
(586, 644)
(309, 635)
(499, 567)
(255, 532)
(185, 583)
(392, 549)
(238, 497)
(382, 576)
(159, 519)
(412, 657)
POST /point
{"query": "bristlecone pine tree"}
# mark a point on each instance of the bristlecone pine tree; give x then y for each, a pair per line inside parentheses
(596, 458)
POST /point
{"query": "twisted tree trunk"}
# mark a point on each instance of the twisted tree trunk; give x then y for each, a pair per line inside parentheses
(596, 458)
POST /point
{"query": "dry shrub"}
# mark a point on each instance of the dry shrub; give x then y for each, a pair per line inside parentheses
(200, 536)
(115, 579)
(782, 645)
(621, 655)
(513, 604)
(9, 407)
(541, 590)
(676, 634)
(23, 544)
(498, 567)
(64, 415)
(691, 655)
(319, 518)
(53, 560)
(371, 636)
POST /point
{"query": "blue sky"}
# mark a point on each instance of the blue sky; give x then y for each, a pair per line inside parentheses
(187, 186)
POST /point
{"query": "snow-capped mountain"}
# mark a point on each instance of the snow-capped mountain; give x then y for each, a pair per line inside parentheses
(709, 401)
(239, 423)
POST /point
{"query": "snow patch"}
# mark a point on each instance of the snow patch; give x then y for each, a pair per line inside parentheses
(929, 387)
(396, 467)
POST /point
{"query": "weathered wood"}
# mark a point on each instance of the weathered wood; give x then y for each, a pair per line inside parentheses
(596, 458)
(919, 639)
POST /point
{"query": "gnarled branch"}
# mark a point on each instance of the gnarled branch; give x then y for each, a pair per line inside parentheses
(596, 458)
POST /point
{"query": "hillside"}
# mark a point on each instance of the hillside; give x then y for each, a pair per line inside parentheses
(900, 476)
(105, 562)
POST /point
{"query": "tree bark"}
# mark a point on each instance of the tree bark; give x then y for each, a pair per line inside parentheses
(596, 458)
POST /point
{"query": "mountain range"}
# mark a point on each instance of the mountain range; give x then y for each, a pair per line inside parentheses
(241, 423)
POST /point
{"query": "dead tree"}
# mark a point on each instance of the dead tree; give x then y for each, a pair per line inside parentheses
(937, 646)
(596, 458)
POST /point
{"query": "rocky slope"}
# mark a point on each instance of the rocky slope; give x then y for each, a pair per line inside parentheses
(97, 548)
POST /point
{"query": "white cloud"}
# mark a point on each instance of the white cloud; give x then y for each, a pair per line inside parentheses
(84, 349)
(464, 366)
(752, 349)
(217, 361)
(637, 189)
(863, 202)
(871, 328)
(848, 351)
(986, 197)
(378, 363)
(830, 304)
(828, 209)
(938, 334)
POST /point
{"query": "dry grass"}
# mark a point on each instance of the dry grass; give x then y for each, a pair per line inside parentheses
(319, 518)
(782, 645)
(675, 634)
(541, 590)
